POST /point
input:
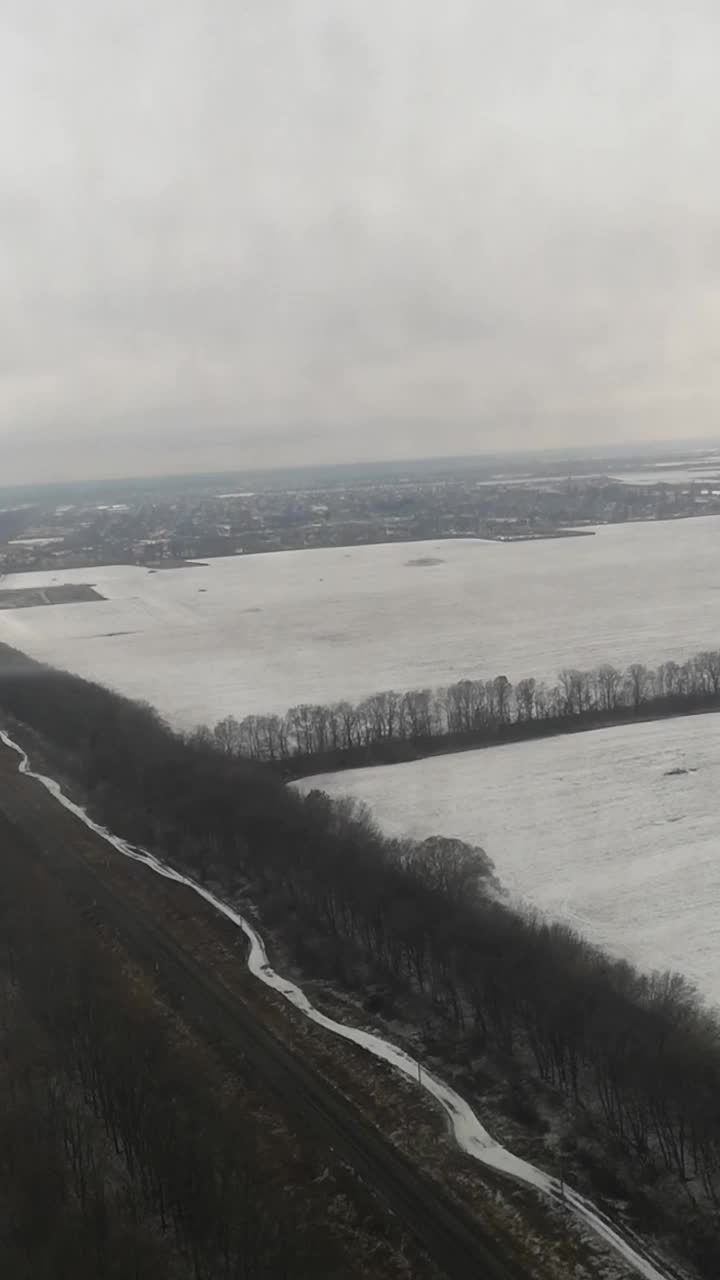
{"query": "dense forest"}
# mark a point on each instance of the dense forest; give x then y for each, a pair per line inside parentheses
(638, 1055)
(388, 727)
(125, 1149)
(130, 1145)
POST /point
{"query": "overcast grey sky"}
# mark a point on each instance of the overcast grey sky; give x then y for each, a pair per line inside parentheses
(247, 232)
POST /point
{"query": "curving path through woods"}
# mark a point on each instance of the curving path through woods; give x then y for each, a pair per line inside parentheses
(468, 1131)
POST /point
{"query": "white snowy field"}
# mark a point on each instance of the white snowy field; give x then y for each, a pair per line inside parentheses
(261, 633)
(671, 475)
(589, 828)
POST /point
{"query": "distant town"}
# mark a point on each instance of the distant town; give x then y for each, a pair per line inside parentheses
(167, 522)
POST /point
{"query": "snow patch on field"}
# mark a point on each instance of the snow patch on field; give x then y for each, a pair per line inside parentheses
(254, 634)
(614, 832)
(469, 1133)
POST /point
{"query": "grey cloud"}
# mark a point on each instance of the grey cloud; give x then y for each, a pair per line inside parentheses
(296, 230)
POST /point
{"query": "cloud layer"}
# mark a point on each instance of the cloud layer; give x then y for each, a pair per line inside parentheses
(311, 230)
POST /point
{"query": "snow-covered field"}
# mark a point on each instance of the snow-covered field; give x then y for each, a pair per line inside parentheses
(671, 475)
(588, 827)
(261, 633)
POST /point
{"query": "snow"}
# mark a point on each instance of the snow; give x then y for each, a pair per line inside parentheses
(251, 634)
(590, 827)
(668, 475)
(469, 1133)
(33, 542)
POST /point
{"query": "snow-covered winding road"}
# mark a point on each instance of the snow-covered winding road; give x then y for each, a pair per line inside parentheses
(469, 1133)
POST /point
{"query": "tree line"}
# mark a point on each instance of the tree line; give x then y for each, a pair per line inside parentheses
(390, 726)
(636, 1055)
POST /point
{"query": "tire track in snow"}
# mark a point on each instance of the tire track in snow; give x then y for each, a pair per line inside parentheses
(470, 1135)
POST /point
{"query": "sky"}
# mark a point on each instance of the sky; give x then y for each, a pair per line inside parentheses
(243, 233)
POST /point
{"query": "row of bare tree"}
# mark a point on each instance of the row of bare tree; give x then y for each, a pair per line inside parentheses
(637, 1056)
(469, 709)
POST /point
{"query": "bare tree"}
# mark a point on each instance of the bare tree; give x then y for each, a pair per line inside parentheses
(709, 665)
(637, 680)
(525, 691)
(452, 868)
(301, 721)
(228, 736)
(347, 715)
(609, 685)
(335, 736)
(272, 737)
(394, 713)
(575, 688)
(542, 701)
(502, 692)
(320, 717)
(465, 703)
(669, 680)
(418, 712)
(376, 710)
(250, 743)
